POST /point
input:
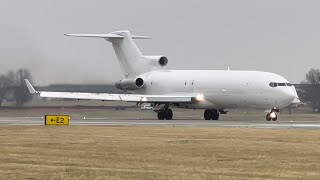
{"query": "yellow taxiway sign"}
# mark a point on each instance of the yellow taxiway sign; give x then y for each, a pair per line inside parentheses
(56, 120)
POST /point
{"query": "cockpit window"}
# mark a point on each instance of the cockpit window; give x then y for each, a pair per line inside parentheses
(274, 84)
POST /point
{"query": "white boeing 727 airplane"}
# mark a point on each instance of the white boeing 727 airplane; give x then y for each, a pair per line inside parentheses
(215, 91)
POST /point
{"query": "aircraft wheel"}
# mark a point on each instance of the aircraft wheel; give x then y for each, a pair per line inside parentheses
(169, 114)
(215, 115)
(161, 115)
(207, 114)
(268, 118)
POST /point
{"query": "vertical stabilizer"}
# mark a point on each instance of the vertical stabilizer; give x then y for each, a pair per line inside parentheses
(128, 54)
(131, 60)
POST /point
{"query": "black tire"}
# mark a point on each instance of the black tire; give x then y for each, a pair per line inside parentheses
(268, 118)
(169, 114)
(207, 114)
(215, 115)
(274, 119)
(161, 115)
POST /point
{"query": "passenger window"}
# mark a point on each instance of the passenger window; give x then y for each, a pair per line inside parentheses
(281, 84)
(288, 84)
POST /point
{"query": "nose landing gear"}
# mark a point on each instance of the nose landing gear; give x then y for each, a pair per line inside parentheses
(272, 115)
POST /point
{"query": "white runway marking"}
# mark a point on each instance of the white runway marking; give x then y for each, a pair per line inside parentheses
(276, 125)
(95, 118)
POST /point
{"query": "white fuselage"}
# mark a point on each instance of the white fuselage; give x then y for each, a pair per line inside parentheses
(222, 89)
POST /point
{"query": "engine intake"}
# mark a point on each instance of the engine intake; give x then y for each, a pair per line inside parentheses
(130, 84)
(163, 61)
(160, 60)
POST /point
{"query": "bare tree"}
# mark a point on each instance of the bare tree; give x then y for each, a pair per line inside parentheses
(21, 92)
(313, 91)
(313, 76)
(7, 82)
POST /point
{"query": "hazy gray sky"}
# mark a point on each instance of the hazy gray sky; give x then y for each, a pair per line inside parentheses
(280, 36)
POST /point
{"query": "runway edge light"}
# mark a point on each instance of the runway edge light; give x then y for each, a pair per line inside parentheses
(56, 120)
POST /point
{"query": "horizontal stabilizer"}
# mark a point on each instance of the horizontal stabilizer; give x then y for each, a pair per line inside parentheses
(116, 36)
(109, 36)
(140, 37)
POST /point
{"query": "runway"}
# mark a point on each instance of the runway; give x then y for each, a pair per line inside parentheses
(303, 124)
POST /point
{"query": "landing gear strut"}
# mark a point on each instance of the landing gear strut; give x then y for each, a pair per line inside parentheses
(211, 114)
(165, 114)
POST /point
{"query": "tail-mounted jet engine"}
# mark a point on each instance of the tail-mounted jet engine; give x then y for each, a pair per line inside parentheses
(130, 84)
(158, 60)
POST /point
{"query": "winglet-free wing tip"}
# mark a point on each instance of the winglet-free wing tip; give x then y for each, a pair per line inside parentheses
(30, 87)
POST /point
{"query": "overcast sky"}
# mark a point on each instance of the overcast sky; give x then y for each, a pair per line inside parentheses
(280, 36)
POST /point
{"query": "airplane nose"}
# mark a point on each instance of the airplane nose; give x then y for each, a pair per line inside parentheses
(290, 94)
(285, 97)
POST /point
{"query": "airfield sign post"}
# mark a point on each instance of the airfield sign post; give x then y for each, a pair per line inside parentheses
(56, 120)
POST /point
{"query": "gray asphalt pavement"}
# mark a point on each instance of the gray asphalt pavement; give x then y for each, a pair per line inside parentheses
(304, 124)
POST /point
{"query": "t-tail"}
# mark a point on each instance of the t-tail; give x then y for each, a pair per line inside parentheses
(130, 58)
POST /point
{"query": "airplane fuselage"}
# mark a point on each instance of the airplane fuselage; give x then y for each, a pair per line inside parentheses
(221, 89)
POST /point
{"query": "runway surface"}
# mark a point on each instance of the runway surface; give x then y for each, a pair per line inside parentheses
(303, 124)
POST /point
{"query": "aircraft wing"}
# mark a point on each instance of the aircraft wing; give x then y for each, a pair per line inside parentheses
(296, 99)
(113, 97)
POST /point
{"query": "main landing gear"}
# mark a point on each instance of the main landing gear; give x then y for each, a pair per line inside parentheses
(166, 113)
(211, 114)
(272, 115)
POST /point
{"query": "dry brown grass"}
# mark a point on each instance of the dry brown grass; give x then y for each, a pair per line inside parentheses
(104, 152)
